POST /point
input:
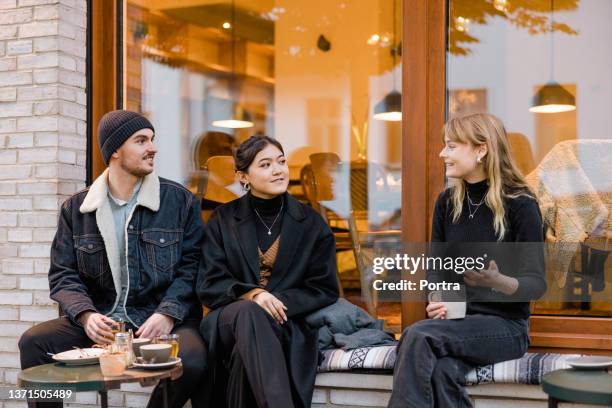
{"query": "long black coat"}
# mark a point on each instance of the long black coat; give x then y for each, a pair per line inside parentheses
(303, 278)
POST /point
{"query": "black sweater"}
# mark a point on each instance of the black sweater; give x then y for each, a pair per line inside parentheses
(523, 224)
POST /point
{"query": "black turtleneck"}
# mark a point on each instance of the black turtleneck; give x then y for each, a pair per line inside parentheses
(268, 210)
(523, 224)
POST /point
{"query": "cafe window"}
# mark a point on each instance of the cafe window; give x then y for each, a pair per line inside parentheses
(543, 68)
(323, 78)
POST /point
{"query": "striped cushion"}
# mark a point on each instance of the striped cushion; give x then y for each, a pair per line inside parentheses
(528, 369)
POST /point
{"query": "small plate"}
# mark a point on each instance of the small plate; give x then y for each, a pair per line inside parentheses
(590, 362)
(83, 356)
(156, 366)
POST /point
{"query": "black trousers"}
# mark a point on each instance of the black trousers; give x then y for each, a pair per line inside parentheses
(61, 334)
(253, 351)
(434, 356)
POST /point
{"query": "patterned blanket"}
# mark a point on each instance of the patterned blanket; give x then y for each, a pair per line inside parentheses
(528, 369)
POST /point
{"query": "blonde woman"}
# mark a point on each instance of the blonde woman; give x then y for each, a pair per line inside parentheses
(489, 202)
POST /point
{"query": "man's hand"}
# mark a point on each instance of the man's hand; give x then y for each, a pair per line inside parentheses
(436, 310)
(156, 325)
(97, 327)
(272, 305)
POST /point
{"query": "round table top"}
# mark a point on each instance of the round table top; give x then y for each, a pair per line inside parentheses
(89, 377)
(589, 387)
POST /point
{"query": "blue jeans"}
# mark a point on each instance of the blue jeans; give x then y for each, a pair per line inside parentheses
(435, 355)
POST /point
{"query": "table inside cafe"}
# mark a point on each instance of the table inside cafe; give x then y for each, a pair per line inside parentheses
(90, 378)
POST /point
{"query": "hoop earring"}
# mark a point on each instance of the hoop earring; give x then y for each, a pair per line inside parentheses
(478, 160)
(246, 186)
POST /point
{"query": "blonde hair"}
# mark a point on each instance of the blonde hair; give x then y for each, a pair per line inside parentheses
(504, 178)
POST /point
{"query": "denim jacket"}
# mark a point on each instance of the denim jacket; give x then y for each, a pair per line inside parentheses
(164, 238)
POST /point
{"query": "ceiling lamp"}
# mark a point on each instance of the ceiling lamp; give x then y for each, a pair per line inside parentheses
(552, 97)
(390, 107)
(240, 118)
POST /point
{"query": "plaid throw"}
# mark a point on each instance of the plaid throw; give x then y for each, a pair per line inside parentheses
(528, 369)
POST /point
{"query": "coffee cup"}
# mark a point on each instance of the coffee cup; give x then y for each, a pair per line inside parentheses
(137, 343)
(455, 308)
(156, 353)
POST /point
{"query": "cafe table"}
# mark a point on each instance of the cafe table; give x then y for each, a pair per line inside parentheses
(578, 386)
(90, 378)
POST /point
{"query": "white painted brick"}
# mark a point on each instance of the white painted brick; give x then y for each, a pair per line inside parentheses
(38, 313)
(46, 44)
(8, 250)
(8, 157)
(37, 93)
(8, 32)
(46, 76)
(44, 234)
(81, 159)
(20, 235)
(8, 94)
(115, 399)
(46, 12)
(9, 313)
(10, 360)
(38, 155)
(34, 251)
(46, 108)
(135, 400)
(8, 4)
(42, 298)
(38, 29)
(41, 266)
(16, 109)
(37, 188)
(46, 139)
(8, 125)
(10, 376)
(71, 78)
(73, 110)
(136, 387)
(67, 63)
(67, 30)
(15, 204)
(41, 283)
(38, 124)
(71, 141)
(15, 404)
(3, 140)
(19, 47)
(3, 236)
(8, 282)
(86, 398)
(17, 16)
(15, 172)
(81, 128)
(8, 188)
(9, 344)
(81, 66)
(38, 220)
(25, 3)
(82, 98)
(67, 93)
(39, 60)
(69, 188)
(21, 140)
(10, 64)
(8, 219)
(15, 78)
(66, 125)
(45, 203)
(71, 172)
(66, 156)
(15, 297)
(72, 47)
(2, 49)
(46, 171)
(17, 267)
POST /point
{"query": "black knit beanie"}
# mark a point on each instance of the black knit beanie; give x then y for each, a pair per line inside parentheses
(116, 127)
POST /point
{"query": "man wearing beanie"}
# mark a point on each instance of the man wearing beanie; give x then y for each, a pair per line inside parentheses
(126, 250)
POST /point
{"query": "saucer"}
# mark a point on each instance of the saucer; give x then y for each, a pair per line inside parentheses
(156, 366)
(590, 362)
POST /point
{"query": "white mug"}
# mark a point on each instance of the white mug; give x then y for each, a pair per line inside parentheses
(454, 310)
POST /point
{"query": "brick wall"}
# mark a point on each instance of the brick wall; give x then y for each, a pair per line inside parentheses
(42, 153)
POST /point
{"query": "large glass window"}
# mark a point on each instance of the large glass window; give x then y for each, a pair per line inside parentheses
(323, 77)
(543, 68)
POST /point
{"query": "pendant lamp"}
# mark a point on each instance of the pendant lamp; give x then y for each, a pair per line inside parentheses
(552, 97)
(240, 118)
(390, 107)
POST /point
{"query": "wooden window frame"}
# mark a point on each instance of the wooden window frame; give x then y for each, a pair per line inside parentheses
(424, 112)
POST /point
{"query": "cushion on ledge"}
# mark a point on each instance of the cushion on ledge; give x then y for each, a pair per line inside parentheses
(528, 369)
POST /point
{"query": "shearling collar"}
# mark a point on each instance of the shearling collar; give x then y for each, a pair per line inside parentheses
(148, 196)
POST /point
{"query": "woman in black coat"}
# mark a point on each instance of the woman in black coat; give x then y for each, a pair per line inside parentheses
(268, 261)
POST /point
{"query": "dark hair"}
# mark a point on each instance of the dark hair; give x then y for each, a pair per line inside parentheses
(246, 152)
